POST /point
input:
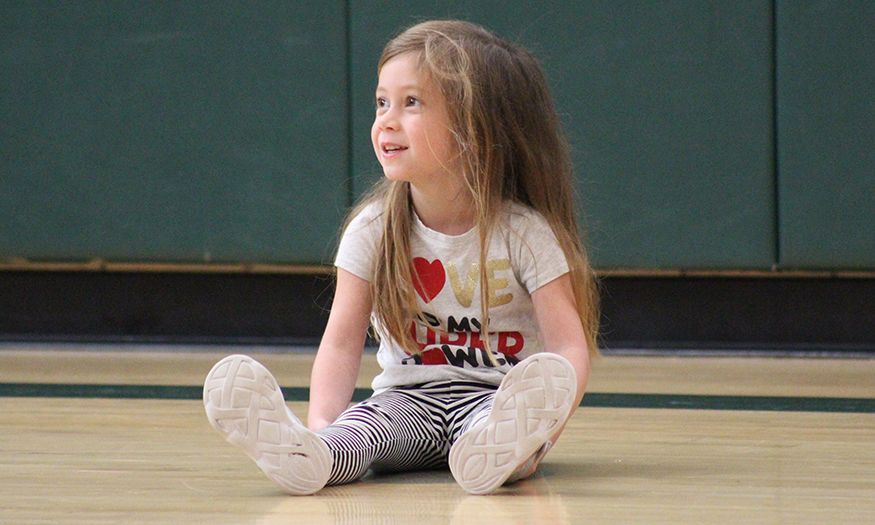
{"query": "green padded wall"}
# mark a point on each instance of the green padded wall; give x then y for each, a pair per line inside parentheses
(238, 131)
(669, 110)
(172, 131)
(826, 133)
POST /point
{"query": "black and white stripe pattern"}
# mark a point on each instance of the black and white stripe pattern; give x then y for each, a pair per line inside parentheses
(409, 428)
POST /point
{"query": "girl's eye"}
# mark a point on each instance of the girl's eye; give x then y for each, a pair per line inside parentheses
(381, 103)
(412, 101)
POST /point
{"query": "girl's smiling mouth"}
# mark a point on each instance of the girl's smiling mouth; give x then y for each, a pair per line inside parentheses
(390, 149)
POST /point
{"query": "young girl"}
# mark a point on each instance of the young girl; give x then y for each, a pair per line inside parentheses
(467, 261)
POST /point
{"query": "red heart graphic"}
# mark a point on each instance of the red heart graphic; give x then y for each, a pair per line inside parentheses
(431, 278)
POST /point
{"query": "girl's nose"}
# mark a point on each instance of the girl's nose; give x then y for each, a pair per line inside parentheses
(388, 119)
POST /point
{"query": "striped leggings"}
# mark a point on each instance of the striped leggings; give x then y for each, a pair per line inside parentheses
(402, 429)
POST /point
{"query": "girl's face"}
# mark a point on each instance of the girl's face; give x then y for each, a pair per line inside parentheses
(411, 132)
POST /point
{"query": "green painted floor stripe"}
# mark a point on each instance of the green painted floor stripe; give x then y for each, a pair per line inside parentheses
(750, 403)
(89, 391)
(666, 401)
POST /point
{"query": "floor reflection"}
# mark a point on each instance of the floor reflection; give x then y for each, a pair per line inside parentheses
(422, 498)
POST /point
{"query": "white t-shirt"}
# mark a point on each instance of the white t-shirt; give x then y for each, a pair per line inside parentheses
(523, 256)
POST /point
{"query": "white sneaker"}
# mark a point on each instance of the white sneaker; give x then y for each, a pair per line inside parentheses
(532, 402)
(244, 402)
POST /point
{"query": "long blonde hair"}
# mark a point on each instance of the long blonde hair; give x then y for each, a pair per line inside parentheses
(512, 148)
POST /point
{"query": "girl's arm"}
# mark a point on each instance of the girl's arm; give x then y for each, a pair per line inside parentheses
(339, 358)
(562, 331)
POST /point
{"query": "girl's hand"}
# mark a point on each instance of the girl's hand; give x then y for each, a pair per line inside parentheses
(531, 465)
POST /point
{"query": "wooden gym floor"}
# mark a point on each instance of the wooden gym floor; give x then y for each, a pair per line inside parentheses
(118, 435)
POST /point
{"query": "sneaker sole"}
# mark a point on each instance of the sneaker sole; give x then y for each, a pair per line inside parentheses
(532, 402)
(245, 404)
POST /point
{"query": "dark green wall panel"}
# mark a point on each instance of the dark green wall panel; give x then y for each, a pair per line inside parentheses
(826, 133)
(671, 113)
(669, 110)
(172, 131)
(238, 131)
